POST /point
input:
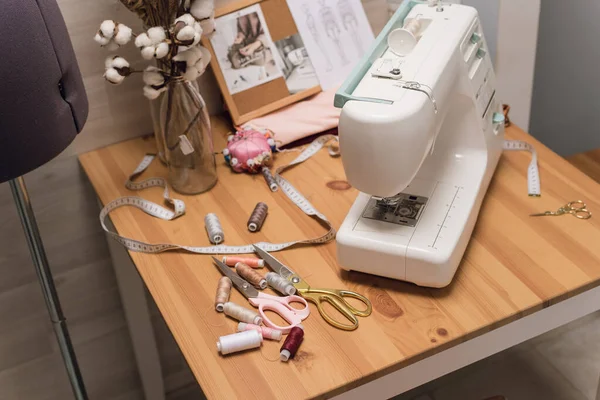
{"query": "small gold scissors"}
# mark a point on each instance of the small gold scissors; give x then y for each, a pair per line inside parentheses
(576, 208)
(334, 297)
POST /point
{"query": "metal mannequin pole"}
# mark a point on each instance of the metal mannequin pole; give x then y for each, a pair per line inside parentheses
(38, 255)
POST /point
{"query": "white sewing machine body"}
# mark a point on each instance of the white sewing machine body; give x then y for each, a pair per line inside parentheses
(434, 135)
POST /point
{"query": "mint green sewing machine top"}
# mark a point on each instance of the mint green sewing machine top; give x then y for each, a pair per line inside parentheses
(378, 47)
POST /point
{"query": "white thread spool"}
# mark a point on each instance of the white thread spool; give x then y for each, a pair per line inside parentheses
(239, 342)
(402, 41)
(242, 314)
(280, 284)
(213, 228)
(266, 332)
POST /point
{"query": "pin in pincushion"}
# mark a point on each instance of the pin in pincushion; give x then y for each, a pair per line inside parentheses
(249, 150)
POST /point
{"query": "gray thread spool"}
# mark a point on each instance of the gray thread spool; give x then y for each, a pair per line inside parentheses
(257, 218)
(270, 179)
(280, 284)
(213, 228)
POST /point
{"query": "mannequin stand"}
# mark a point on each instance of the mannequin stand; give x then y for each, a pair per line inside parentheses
(40, 261)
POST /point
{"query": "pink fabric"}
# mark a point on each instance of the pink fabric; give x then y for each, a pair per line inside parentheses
(308, 117)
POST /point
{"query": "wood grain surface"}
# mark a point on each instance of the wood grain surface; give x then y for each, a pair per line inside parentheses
(515, 265)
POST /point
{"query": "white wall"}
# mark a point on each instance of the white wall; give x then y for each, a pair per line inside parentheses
(511, 30)
(515, 56)
(566, 100)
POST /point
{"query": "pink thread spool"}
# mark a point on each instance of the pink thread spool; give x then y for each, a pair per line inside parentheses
(267, 333)
(251, 262)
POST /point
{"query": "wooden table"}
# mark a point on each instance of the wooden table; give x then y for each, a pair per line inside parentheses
(520, 276)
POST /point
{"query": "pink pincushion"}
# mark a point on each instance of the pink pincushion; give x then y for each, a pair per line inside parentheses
(249, 150)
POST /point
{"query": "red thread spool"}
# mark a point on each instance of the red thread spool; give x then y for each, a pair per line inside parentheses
(292, 344)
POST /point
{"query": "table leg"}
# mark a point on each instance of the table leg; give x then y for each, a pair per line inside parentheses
(137, 314)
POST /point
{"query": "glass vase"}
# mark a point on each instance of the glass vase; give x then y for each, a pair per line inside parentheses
(188, 139)
(157, 127)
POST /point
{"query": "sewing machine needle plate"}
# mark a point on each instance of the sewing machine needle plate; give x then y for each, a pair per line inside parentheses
(402, 209)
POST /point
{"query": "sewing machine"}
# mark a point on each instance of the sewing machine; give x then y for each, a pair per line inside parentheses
(421, 132)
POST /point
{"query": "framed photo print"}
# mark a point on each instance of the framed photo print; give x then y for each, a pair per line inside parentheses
(259, 59)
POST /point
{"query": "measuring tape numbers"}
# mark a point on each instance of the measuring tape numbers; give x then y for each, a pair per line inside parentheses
(177, 209)
(533, 174)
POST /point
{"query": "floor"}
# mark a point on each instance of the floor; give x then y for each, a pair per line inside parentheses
(563, 364)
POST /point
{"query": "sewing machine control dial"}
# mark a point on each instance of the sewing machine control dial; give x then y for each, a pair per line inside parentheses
(475, 38)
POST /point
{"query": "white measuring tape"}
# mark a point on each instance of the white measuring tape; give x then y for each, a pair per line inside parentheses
(533, 174)
(178, 209)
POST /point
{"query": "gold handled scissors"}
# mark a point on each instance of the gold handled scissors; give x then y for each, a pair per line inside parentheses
(576, 208)
(335, 297)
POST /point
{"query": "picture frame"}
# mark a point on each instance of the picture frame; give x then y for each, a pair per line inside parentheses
(258, 58)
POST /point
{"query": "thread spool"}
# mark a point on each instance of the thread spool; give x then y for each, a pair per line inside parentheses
(213, 228)
(241, 314)
(402, 41)
(252, 262)
(239, 342)
(291, 344)
(266, 172)
(265, 331)
(280, 284)
(223, 291)
(257, 218)
(251, 275)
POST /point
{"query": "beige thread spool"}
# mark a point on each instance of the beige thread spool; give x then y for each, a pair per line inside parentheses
(241, 314)
(223, 291)
(280, 284)
(257, 218)
(249, 274)
(240, 341)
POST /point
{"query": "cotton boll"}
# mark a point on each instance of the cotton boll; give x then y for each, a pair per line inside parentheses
(208, 26)
(153, 77)
(197, 37)
(113, 76)
(157, 34)
(191, 74)
(186, 33)
(119, 62)
(142, 40)
(108, 62)
(202, 9)
(190, 56)
(101, 40)
(152, 93)
(187, 19)
(107, 27)
(123, 34)
(198, 27)
(112, 46)
(162, 49)
(201, 65)
(205, 54)
(148, 52)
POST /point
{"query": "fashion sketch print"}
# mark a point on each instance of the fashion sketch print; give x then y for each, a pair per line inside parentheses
(350, 23)
(311, 25)
(332, 29)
